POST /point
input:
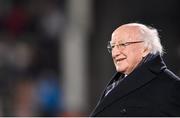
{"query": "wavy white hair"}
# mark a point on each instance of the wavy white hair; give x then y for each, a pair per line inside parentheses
(151, 38)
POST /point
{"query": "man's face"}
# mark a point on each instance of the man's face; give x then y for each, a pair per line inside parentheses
(127, 57)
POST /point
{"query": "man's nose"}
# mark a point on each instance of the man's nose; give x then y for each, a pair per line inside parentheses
(116, 52)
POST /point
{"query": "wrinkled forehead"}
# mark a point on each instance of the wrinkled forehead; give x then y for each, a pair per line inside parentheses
(126, 34)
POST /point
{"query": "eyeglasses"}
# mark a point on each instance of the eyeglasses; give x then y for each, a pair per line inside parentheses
(120, 46)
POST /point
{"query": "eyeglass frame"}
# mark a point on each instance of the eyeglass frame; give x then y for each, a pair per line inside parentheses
(122, 45)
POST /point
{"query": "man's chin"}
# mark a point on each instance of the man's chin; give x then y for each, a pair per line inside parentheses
(121, 70)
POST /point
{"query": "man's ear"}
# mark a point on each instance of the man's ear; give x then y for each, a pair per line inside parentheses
(145, 52)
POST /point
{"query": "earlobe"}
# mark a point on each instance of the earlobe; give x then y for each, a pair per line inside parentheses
(145, 52)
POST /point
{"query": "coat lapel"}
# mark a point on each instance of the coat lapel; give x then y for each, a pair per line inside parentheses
(115, 76)
(135, 80)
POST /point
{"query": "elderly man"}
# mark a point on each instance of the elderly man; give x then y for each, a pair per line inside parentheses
(142, 85)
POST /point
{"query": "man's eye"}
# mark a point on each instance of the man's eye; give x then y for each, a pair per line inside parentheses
(112, 46)
(123, 44)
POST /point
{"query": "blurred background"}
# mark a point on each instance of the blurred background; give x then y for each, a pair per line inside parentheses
(53, 56)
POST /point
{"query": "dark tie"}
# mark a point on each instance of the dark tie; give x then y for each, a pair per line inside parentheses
(113, 85)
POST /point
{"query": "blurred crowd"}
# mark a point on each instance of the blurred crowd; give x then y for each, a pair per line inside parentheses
(30, 81)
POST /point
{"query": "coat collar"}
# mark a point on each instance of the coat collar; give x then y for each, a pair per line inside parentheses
(139, 77)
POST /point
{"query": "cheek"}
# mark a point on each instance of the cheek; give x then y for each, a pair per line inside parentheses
(130, 58)
(122, 66)
(133, 59)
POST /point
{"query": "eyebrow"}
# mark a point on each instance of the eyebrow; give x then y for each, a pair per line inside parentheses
(118, 42)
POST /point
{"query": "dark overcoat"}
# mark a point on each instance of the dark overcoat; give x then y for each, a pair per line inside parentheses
(150, 90)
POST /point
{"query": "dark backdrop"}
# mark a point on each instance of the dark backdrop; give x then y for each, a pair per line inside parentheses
(109, 14)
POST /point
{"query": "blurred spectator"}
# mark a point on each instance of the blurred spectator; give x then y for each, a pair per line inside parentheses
(26, 50)
(49, 94)
(17, 19)
(24, 99)
(52, 20)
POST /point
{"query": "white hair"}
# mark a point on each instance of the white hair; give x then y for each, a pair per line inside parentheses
(151, 38)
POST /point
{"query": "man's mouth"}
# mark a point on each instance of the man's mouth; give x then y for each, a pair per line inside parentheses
(119, 60)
